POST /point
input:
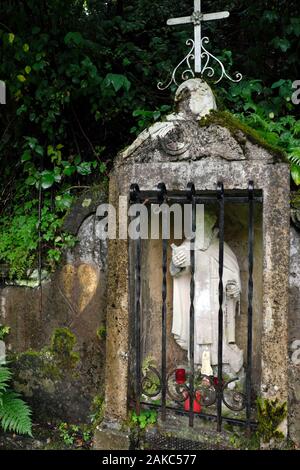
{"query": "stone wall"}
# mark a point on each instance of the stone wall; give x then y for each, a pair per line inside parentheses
(58, 331)
(294, 338)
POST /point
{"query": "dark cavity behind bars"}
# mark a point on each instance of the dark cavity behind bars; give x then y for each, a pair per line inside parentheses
(193, 197)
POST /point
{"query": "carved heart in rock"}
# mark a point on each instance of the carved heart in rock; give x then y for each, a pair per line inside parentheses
(79, 285)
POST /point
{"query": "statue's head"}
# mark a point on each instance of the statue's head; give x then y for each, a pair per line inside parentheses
(195, 98)
(205, 228)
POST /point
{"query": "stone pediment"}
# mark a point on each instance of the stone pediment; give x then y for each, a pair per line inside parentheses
(179, 139)
(197, 131)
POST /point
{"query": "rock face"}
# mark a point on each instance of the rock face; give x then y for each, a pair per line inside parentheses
(69, 312)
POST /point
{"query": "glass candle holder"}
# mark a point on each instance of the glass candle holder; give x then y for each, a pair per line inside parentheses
(180, 376)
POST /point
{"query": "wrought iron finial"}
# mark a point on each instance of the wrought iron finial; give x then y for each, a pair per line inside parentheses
(198, 53)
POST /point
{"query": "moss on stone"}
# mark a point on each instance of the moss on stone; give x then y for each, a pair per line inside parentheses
(270, 414)
(101, 332)
(295, 199)
(62, 344)
(62, 341)
(97, 410)
(47, 365)
(241, 131)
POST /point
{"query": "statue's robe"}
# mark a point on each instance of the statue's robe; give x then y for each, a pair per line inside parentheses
(206, 304)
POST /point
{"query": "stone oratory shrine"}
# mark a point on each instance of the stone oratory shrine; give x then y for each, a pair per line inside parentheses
(197, 327)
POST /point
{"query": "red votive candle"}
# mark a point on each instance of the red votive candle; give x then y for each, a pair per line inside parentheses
(180, 376)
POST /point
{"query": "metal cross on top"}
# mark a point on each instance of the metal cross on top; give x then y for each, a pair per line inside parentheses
(198, 52)
(197, 18)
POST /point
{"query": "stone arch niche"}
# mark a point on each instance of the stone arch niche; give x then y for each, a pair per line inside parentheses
(193, 146)
(236, 236)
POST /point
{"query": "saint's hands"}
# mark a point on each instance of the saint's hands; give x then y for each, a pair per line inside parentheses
(179, 257)
(232, 289)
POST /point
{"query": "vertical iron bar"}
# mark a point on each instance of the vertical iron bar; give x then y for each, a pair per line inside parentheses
(162, 199)
(135, 197)
(191, 197)
(250, 300)
(40, 256)
(220, 192)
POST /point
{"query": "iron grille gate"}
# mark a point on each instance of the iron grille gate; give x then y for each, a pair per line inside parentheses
(216, 386)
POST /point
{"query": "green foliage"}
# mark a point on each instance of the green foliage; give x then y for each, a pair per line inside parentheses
(151, 382)
(81, 78)
(148, 362)
(14, 412)
(269, 111)
(283, 133)
(240, 441)
(146, 118)
(73, 434)
(270, 414)
(144, 419)
(4, 331)
(19, 237)
(97, 410)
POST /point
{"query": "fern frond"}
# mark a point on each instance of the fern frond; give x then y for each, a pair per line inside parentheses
(294, 156)
(294, 159)
(5, 376)
(15, 414)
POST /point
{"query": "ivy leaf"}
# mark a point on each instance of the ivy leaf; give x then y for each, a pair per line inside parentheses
(57, 174)
(21, 78)
(294, 27)
(39, 150)
(270, 16)
(47, 179)
(84, 168)
(11, 38)
(282, 43)
(165, 107)
(26, 156)
(30, 181)
(102, 167)
(73, 37)
(21, 109)
(117, 81)
(69, 170)
(278, 84)
(63, 202)
(295, 171)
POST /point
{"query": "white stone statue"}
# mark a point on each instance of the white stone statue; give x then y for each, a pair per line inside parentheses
(196, 98)
(206, 301)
